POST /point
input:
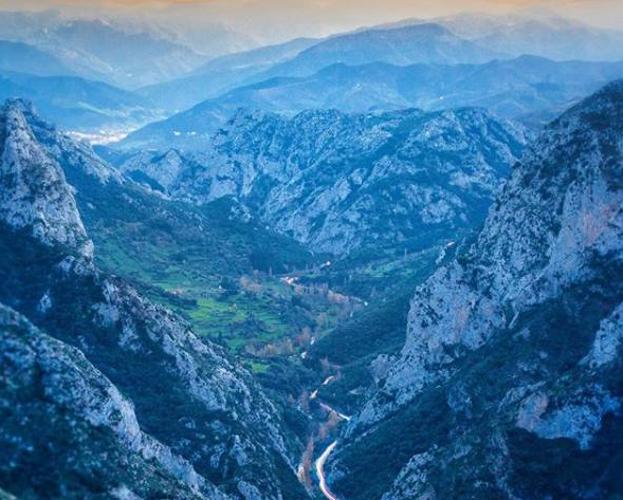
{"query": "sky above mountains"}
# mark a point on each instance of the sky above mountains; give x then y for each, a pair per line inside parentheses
(281, 19)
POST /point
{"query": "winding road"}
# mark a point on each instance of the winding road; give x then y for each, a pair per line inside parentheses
(328, 409)
(322, 459)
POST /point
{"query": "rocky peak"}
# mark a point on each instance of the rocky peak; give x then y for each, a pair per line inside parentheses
(24, 107)
(562, 203)
(163, 168)
(244, 116)
(35, 195)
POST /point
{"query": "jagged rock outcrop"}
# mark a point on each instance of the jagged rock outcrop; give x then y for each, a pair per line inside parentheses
(340, 182)
(187, 413)
(57, 407)
(34, 193)
(163, 168)
(510, 378)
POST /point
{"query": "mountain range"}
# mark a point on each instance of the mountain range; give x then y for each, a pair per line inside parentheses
(80, 105)
(24, 58)
(401, 46)
(543, 34)
(509, 382)
(382, 264)
(221, 75)
(90, 48)
(512, 343)
(435, 65)
(528, 89)
(457, 39)
(357, 181)
(420, 43)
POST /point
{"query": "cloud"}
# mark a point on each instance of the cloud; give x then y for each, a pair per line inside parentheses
(328, 15)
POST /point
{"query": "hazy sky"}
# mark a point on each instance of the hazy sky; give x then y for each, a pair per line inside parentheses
(282, 18)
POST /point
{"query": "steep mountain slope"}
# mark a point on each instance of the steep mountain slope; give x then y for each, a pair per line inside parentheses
(128, 222)
(340, 182)
(530, 89)
(20, 57)
(93, 46)
(552, 37)
(422, 43)
(189, 258)
(199, 418)
(304, 57)
(541, 34)
(80, 105)
(90, 48)
(35, 194)
(221, 75)
(510, 380)
(159, 171)
(58, 408)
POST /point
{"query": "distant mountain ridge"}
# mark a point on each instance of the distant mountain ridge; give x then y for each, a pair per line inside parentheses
(528, 88)
(221, 75)
(421, 43)
(544, 34)
(460, 39)
(80, 105)
(93, 47)
(24, 58)
(90, 48)
(426, 43)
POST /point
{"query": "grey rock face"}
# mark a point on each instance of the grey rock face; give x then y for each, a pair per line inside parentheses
(162, 168)
(79, 404)
(408, 482)
(579, 420)
(34, 192)
(339, 182)
(607, 340)
(522, 330)
(561, 207)
(169, 401)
